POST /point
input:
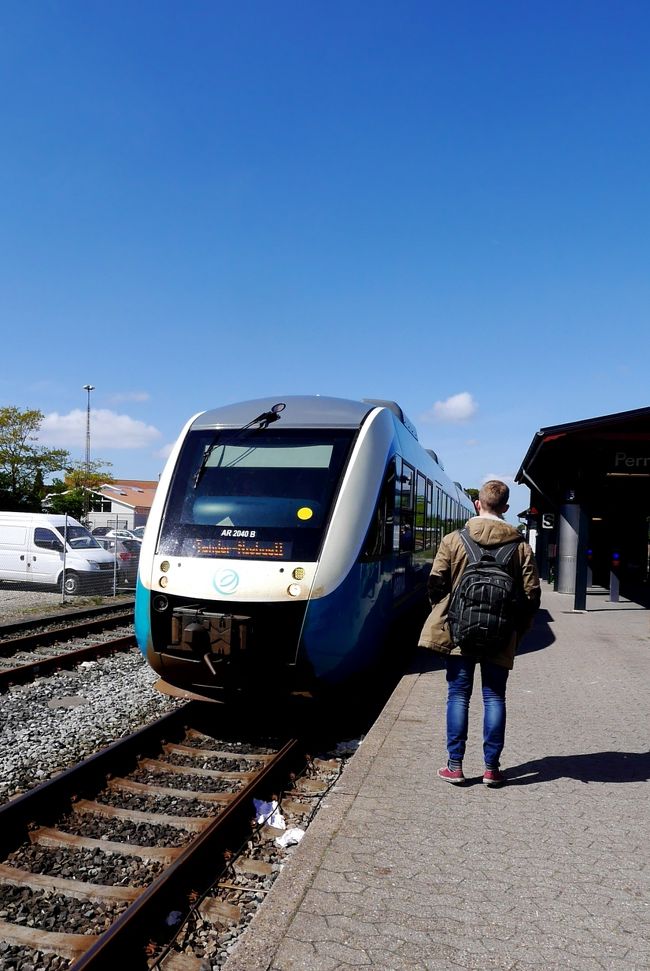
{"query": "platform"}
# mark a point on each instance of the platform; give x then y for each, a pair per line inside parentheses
(400, 870)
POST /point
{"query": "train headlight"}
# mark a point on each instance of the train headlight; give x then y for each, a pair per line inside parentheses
(294, 590)
(298, 573)
(164, 566)
(163, 581)
(160, 603)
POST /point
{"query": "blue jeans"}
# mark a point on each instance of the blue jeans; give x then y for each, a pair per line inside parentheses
(460, 681)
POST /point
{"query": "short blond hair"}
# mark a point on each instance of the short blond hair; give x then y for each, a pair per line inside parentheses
(493, 495)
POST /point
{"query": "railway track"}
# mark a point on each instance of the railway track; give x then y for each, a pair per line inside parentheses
(98, 858)
(63, 618)
(48, 648)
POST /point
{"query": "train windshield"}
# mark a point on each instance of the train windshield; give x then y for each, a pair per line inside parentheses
(260, 494)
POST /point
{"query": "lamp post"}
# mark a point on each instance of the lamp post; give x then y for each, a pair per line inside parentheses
(88, 388)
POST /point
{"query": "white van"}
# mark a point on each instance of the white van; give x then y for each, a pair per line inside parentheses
(32, 550)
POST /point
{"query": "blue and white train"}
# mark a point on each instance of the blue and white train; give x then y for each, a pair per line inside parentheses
(285, 538)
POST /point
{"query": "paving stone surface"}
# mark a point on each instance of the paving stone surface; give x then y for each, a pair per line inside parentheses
(403, 871)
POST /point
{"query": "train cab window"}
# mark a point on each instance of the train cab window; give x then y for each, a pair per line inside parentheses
(260, 493)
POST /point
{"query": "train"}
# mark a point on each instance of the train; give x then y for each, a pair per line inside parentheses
(286, 539)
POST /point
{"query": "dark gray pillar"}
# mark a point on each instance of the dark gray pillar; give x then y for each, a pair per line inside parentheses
(567, 551)
(582, 565)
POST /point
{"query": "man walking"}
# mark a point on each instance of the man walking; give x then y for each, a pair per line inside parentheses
(480, 621)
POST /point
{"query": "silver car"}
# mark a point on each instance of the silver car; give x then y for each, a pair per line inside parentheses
(127, 554)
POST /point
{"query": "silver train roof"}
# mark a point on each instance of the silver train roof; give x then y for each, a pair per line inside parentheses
(313, 411)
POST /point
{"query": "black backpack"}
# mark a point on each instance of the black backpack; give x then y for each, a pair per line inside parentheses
(483, 610)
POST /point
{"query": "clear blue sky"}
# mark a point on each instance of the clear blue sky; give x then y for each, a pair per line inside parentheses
(209, 201)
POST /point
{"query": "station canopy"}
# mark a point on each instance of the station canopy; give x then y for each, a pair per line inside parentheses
(589, 459)
(601, 465)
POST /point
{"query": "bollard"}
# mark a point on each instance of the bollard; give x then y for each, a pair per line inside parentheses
(614, 578)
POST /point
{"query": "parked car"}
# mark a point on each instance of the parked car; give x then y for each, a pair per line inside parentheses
(138, 532)
(119, 533)
(33, 550)
(126, 554)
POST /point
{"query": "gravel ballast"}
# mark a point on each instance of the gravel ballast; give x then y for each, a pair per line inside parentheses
(54, 722)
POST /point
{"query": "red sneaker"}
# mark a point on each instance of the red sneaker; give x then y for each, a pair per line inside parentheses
(455, 776)
(493, 778)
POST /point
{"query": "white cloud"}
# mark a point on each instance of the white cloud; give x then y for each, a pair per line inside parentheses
(457, 408)
(107, 430)
(129, 396)
(506, 477)
(165, 451)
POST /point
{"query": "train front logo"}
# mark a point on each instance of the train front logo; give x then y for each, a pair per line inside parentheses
(226, 582)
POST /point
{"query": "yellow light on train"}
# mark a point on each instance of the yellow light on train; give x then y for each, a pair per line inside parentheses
(294, 590)
(163, 581)
(305, 513)
(299, 573)
(164, 566)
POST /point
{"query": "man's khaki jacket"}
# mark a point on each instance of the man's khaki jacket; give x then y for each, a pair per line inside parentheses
(448, 565)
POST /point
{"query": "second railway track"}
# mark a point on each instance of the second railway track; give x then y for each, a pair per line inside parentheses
(24, 656)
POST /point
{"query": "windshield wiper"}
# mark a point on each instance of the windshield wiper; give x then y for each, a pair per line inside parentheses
(264, 421)
(266, 417)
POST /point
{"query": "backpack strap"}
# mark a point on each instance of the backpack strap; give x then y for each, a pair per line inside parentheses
(502, 554)
(474, 551)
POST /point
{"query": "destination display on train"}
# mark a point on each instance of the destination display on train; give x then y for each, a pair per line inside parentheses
(243, 543)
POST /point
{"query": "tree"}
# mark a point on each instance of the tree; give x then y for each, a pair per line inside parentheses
(472, 493)
(95, 476)
(70, 502)
(69, 495)
(21, 461)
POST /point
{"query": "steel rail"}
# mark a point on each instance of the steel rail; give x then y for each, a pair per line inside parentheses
(44, 638)
(54, 797)
(27, 623)
(193, 872)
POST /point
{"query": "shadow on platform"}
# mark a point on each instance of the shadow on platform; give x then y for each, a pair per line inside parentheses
(591, 767)
(540, 635)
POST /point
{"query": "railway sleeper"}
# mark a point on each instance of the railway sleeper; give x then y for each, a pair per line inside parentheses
(159, 765)
(69, 946)
(71, 888)
(48, 836)
(206, 753)
(144, 788)
(194, 824)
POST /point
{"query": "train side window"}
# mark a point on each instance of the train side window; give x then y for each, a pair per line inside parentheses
(420, 511)
(405, 501)
(445, 513)
(379, 540)
(437, 518)
(407, 482)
